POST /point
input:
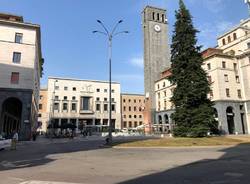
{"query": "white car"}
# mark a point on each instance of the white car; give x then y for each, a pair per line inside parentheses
(5, 143)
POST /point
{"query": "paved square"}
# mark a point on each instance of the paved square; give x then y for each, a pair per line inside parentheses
(83, 162)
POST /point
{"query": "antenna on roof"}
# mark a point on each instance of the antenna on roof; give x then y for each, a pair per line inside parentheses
(248, 3)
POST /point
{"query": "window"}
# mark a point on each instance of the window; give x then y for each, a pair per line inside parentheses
(135, 116)
(56, 97)
(73, 98)
(112, 100)
(227, 92)
(74, 88)
(125, 124)
(65, 106)
(229, 39)
(65, 88)
(124, 116)
(130, 124)
(19, 38)
(112, 90)
(239, 93)
(223, 41)
(124, 108)
(226, 78)
(158, 16)
(97, 99)
(98, 107)
(223, 64)
(164, 84)
(105, 99)
(73, 106)
(158, 86)
(85, 103)
(159, 95)
(39, 115)
(113, 107)
(129, 100)
(153, 15)
(16, 57)
(241, 107)
(209, 66)
(235, 36)
(135, 108)
(209, 78)
(130, 116)
(105, 90)
(140, 123)
(41, 97)
(165, 104)
(237, 78)
(248, 45)
(139, 101)
(235, 66)
(14, 78)
(65, 98)
(165, 93)
(105, 107)
(40, 106)
(124, 100)
(163, 18)
(97, 90)
(140, 116)
(56, 106)
(56, 87)
(129, 108)
(134, 100)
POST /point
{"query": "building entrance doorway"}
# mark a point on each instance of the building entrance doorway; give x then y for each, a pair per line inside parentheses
(230, 120)
(11, 116)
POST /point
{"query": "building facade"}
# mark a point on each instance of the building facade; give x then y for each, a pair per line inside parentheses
(84, 103)
(20, 57)
(228, 69)
(156, 50)
(132, 107)
(43, 115)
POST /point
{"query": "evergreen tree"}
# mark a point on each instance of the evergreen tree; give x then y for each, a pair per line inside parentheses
(194, 111)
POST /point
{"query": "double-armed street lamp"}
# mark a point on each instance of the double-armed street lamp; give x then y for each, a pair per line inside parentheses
(110, 36)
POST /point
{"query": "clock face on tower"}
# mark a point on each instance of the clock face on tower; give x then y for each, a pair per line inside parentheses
(157, 28)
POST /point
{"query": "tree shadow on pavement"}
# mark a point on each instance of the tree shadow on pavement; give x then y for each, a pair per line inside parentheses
(36, 154)
(232, 167)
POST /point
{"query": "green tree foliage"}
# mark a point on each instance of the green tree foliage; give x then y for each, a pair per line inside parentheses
(194, 115)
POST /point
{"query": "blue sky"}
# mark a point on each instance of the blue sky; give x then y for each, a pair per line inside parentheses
(71, 50)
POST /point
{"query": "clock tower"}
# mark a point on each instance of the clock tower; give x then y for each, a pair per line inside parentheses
(156, 50)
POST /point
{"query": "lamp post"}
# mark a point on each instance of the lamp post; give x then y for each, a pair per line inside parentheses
(110, 36)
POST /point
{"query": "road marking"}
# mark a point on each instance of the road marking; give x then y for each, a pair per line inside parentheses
(233, 174)
(46, 182)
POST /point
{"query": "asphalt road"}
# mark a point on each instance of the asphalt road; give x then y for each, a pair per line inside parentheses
(88, 162)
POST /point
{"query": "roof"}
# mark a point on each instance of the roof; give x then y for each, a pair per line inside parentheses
(234, 28)
(11, 17)
(86, 80)
(210, 52)
(153, 7)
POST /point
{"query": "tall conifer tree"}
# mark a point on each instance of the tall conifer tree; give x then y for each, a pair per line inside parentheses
(194, 111)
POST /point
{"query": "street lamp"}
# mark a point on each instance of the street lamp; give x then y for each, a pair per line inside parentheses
(110, 36)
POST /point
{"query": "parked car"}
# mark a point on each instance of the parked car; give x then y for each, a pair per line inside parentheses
(4, 143)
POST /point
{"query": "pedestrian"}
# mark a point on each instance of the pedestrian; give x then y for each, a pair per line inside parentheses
(14, 141)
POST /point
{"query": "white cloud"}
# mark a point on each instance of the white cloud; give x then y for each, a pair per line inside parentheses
(137, 61)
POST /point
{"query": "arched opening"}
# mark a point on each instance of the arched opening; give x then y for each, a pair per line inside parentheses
(160, 119)
(230, 120)
(11, 116)
(166, 120)
(215, 113)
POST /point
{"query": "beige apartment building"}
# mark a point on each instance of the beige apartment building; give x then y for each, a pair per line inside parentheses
(82, 103)
(20, 47)
(228, 71)
(43, 115)
(132, 106)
